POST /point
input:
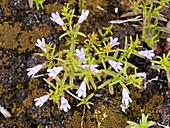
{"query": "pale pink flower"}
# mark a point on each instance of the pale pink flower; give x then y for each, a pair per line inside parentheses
(53, 72)
(113, 42)
(32, 71)
(82, 90)
(115, 65)
(148, 54)
(64, 104)
(80, 54)
(125, 97)
(56, 18)
(41, 100)
(83, 16)
(41, 44)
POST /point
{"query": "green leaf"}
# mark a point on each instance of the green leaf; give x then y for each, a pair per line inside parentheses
(48, 82)
(133, 124)
(81, 34)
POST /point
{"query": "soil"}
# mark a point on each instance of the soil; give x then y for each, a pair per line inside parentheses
(21, 26)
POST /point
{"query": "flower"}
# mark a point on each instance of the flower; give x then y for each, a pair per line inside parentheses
(53, 72)
(4, 112)
(115, 65)
(92, 67)
(82, 90)
(41, 100)
(113, 42)
(80, 54)
(141, 74)
(126, 99)
(64, 104)
(83, 16)
(32, 71)
(148, 53)
(56, 18)
(41, 44)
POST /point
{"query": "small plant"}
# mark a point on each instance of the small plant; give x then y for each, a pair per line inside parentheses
(164, 63)
(151, 12)
(143, 123)
(98, 63)
(37, 2)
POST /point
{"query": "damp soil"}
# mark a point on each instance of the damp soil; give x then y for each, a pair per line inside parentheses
(21, 26)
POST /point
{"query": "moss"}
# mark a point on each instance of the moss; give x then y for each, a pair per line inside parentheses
(34, 94)
(4, 4)
(19, 86)
(9, 35)
(28, 38)
(1, 89)
(154, 106)
(103, 117)
(50, 8)
(33, 84)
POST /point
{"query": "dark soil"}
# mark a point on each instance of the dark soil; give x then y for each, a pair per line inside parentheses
(21, 26)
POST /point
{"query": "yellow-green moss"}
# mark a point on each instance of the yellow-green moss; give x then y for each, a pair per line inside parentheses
(32, 95)
(154, 106)
(33, 84)
(4, 4)
(1, 89)
(50, 8)
(103, 117)
(28, 38)
(9, 34)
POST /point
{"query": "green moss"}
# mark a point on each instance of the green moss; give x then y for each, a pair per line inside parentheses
(19, 86)
(33, 84)
(32, 95)
(154, 106)
(9, 34)
(1, 89)
(50, 8)
(4, 4)
(103, 117)
(28, 38)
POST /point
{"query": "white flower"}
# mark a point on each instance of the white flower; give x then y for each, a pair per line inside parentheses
(41, 44)
(115, 65)
(80, 54)
(41, 100)
(56, 18)
(64, 104)
(83, 16)
(53, 72)
(148, 53)
(125, 97)
(141, 74)
(32, 71)
(113, 42)
(4, 112)
(82, 90)
(92, 67)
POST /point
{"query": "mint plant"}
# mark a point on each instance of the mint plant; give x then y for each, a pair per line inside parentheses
(143, 123)
(163, 63)
(98, 59)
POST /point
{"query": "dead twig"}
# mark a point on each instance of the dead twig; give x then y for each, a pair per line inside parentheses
(137, 18)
